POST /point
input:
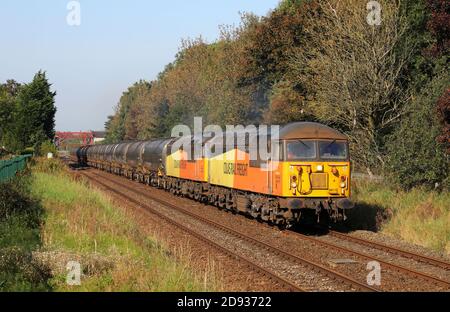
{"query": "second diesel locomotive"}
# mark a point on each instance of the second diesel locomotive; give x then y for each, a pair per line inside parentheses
(311, 176)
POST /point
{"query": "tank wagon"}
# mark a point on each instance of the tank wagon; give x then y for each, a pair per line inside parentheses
(310, 178)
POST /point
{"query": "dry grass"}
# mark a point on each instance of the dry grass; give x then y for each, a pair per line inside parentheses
(84, 224)
(418, 216)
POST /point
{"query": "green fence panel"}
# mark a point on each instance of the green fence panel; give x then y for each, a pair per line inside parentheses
(10, 167)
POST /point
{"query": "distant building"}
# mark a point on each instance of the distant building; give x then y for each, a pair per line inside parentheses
(68, 140)
(99, 136)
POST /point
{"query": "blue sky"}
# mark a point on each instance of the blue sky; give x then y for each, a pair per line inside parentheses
(117, 43)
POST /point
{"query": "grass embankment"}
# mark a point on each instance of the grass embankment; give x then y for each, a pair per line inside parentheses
(21, 217)
(418, 216)
(82, 224)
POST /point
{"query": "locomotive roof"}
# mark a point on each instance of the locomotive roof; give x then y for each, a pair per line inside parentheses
(294, 130)
(309, 130)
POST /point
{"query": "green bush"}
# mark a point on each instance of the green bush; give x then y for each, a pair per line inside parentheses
(20, 272)
(415, 156)
(27, 151)
(47, 147)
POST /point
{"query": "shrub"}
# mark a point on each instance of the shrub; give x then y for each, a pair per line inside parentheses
(47, 147)
(27, 151)
(20, 272)
(416, 156)
(48, 165)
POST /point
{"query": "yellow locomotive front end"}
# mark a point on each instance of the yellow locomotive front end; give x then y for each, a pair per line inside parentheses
(316, 171)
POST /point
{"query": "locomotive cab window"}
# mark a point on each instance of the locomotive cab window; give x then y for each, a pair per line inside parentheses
(335, 150)
(300, 149)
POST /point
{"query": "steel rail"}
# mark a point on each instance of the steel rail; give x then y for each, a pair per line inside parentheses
(394, 250)
(392, 266)
(304, 262)
(254, 266)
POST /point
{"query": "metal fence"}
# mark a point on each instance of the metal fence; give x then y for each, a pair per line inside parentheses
(9, 168)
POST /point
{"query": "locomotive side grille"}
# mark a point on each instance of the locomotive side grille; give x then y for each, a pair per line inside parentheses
(319, 181)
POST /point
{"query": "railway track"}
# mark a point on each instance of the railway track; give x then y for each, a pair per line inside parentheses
(393, 250)
(304, 262)
(279, 280)
(402, 269)
(354, 284)
(385, 264)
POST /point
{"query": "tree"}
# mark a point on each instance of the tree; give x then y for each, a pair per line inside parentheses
(11, 87)
(8, 91)
(352, 73)
(124, 124)
(286, 105)
(34, 120)
(270, 42)
(416, 157)
(443, 113)
(439, 26)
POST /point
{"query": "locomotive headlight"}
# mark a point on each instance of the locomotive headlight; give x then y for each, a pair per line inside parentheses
(319, 168)
(343, 182)
(294, 182)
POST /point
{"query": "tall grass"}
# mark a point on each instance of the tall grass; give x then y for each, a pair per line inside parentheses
(418, 216)
(20, 221)
(82, 223)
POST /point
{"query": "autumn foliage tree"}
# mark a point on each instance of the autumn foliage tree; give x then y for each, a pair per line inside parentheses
(443, 112)
(439, 26)
(351, 72)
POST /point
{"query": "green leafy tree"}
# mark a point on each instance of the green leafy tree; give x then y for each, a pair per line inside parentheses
(8, 92)
(34, 120)
(123, 125)
(416, 157)
(418, 149)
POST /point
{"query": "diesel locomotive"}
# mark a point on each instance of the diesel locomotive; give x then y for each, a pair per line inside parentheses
(310, 178)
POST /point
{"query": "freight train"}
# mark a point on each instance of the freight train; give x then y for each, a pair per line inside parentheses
(310, 179)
